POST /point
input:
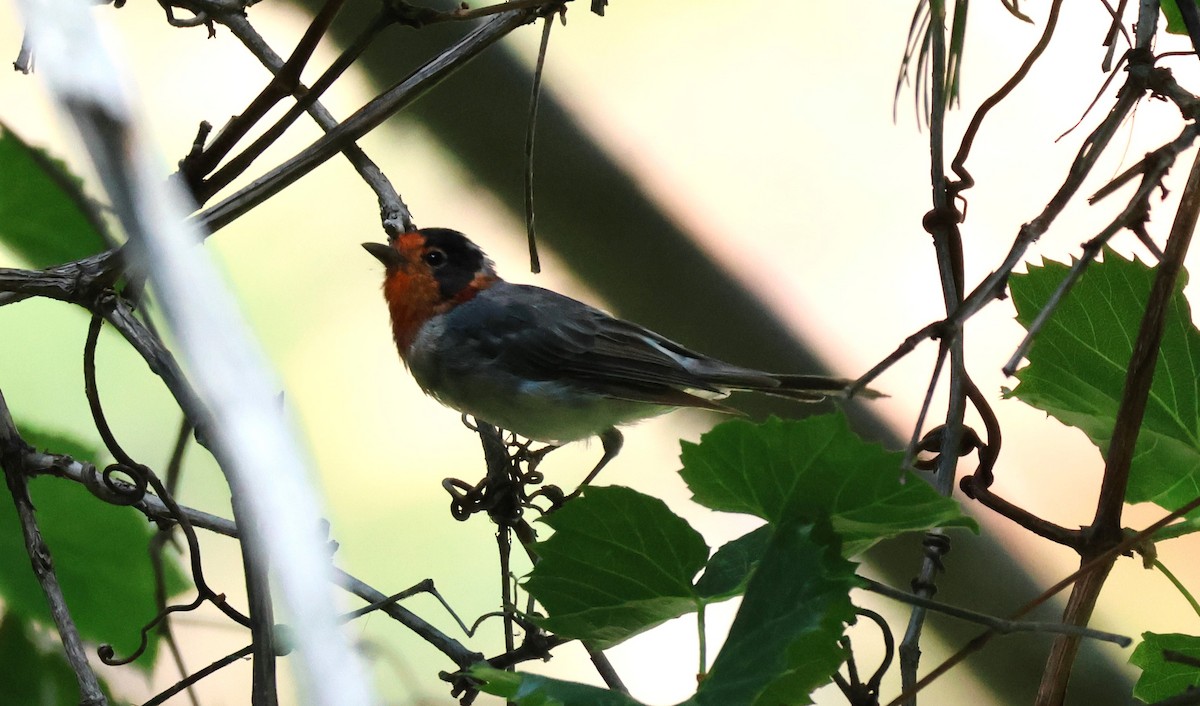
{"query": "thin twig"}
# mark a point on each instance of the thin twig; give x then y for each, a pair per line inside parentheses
(1154, 168)
(420, 16)
(393, 211)
(460, 655)
(535, 264)
(145, 477)
(998, 625)
(914, 441)
(1118, 25)
(255, 566)
(1041, 527)
(187, 682)
(606, 670)
(363, 121)
(889, 644)
(968, 139)
(941, 223)
(129, 465)
(158, 544)
(425, 586)
(1183, 590)
(65, 467)
(994, 284)
(284, 82)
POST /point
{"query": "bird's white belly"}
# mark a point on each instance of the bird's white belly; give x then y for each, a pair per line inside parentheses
(543, 411)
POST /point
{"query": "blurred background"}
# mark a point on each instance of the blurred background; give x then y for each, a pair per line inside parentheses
(731, 175)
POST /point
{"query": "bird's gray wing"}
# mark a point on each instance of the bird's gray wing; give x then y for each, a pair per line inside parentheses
(541, 335)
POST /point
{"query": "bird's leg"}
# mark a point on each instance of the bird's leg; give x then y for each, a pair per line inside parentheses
(612, 441)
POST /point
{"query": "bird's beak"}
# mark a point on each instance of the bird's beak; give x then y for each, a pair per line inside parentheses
(385, 254)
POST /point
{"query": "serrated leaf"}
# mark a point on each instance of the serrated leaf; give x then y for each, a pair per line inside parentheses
(536, 690)
(43, 219)
(1077, 366)
(99, 555)
(1162, 679)
(619, 563)
(783, 643)
(730, 567)
(805, 469)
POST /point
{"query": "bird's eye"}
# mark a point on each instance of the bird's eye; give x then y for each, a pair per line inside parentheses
(434, 258)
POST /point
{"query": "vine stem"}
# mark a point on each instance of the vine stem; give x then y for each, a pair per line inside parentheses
(1183, 590)
(942, 223)
(12, 448)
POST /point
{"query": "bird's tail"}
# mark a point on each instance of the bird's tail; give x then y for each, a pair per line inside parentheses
(814, 388)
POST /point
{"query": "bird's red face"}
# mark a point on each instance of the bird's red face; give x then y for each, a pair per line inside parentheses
(428, 272)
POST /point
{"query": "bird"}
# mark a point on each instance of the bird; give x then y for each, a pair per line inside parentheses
(540, 364)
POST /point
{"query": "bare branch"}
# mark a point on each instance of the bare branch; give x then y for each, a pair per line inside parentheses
(284, 82)
(1154, 167)
(366, 119)
(999, 625)
(12, 456)
(393, 211)
(75, 282)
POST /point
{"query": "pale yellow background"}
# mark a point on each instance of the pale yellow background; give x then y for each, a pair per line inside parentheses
(766, 127)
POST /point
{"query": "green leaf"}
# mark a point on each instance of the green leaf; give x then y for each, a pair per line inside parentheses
(43, 216)
(1170, 11)
(99, 555)
(619, 563)
(32, 675)
(1077, 366)
(783, 643)
(810, 468)
(1162, 679)
(730, 567)
(536, 690)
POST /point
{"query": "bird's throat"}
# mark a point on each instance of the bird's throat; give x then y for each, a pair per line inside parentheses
(415, 299)
(412, 301)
